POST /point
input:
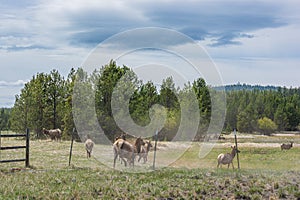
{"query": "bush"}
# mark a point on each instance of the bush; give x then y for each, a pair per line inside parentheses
(266, 125)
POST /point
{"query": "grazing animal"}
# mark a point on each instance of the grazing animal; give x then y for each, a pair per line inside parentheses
(55, 134)
(286, 146)
(126, 151)
(139, 142)
(221, 137)
(144, 151)
(226, 159)
(89, 145)
(122, 136)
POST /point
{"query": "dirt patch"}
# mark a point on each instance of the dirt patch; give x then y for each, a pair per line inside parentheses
(185, 145)
(284, 134)
(251, 144)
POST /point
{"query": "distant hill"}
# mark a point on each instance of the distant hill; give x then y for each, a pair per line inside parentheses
(244, 86)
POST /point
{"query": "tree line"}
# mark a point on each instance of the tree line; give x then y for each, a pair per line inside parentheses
(4, 119)
(46, 102)
(263, 110)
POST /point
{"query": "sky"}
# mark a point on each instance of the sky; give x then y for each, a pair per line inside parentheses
(252, 42)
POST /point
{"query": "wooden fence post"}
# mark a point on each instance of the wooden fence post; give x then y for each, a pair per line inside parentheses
(0, 144)
(27, 148)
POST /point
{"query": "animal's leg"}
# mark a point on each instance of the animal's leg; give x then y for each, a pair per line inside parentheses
(140, 157)
(115, 157)
(125, 162)
(232, 165)
(133, 157)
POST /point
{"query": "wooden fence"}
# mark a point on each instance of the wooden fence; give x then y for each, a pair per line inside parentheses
(26, 159)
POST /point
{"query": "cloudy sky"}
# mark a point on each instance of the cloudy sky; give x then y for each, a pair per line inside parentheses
(253, 42)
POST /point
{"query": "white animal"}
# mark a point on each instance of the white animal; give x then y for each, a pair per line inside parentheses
(89, 145)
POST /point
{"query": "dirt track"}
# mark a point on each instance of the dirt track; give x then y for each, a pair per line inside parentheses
(253, 144)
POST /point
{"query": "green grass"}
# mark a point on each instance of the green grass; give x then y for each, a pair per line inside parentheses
(167, 183)
(250, 158)
(266, 172)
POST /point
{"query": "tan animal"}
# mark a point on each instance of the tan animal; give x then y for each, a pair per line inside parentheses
(226, 159)
(55, 134)
(89, 145)
(144, 151)
(122, 136)
(286, 146)
(126, 151)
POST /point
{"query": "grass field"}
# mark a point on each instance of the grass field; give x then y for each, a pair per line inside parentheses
(266, 172)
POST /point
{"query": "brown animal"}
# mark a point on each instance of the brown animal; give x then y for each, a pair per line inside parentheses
(55, 134)
(226, 159)
(144, 151)
(89, 145)
(122, 136)
(286, 146)
(139, 142)
(126, 151)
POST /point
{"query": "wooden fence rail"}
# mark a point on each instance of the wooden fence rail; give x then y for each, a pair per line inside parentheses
(26, 159)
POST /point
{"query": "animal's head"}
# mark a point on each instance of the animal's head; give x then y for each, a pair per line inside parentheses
(149, 144)
(44, 131)
(234, 149)
(139, 141)
(123, 136)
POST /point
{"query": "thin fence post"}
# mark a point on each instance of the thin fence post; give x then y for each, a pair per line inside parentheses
(27, 147)
(71, 148)
(237, 152)
(0, 144)
(155, 145)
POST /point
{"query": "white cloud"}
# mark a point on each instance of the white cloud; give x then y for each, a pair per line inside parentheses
(8, 90)
(18, 83)
(38, 36)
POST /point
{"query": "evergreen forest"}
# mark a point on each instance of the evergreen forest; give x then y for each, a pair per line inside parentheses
(46, 102)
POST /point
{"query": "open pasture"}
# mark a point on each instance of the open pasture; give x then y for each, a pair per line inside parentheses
(266, 172)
